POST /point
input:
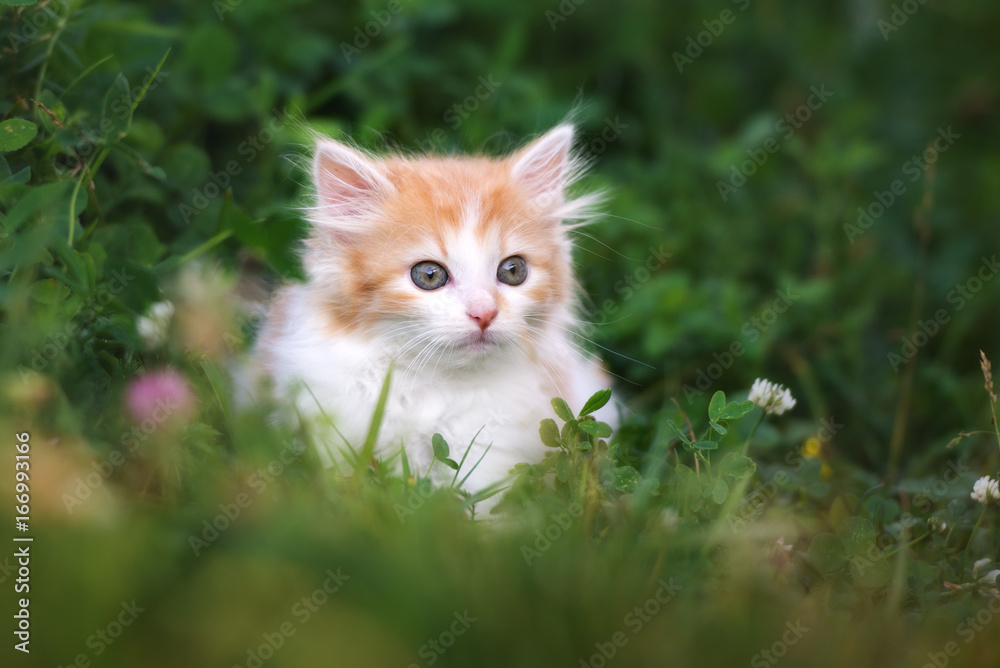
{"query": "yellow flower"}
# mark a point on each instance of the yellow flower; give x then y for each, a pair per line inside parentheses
(812, 448)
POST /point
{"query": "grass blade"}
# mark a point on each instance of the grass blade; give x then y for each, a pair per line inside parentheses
(368, 449)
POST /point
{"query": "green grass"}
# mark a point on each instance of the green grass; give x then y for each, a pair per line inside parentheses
(151, 151)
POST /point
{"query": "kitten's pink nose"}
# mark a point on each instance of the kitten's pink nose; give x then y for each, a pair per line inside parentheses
(483, 317)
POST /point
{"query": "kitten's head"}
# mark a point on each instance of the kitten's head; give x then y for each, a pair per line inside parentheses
(467, 255)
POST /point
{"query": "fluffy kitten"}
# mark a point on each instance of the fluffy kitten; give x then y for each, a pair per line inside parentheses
(456, 271)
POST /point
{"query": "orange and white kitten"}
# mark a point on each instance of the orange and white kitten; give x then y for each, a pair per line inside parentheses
(455, 271)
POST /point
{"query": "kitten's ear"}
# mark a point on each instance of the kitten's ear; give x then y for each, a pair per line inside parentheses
(349, 185)
(545, 166)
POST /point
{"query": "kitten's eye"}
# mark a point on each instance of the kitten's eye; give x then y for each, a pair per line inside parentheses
(428, 275)
(513, 270)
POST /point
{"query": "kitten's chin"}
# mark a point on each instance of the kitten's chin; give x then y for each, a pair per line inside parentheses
(479, 342)
(478, 345)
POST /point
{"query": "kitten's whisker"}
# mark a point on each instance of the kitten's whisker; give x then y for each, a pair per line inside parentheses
(409, 374)
(606, 322)
(410, 345)
(440, 356)
(415, 364)
(590, 236)
(405, 363)
(426, 353)
(633, 220)
(578, 350)
(587, 250)
(396, 330)
(595, 343)
(546, 369)
(585, 355)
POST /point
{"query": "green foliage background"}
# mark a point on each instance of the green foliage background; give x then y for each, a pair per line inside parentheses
(101, 192)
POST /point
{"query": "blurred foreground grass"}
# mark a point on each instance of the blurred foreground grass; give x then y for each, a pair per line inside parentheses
(258, 554)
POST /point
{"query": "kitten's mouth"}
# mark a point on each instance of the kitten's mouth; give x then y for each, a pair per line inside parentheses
(479, 341)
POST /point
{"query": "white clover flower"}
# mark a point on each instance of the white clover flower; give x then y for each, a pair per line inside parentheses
(773, 398)
(153, 326)
(936, 524)
(986, 584)
(986, 491)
